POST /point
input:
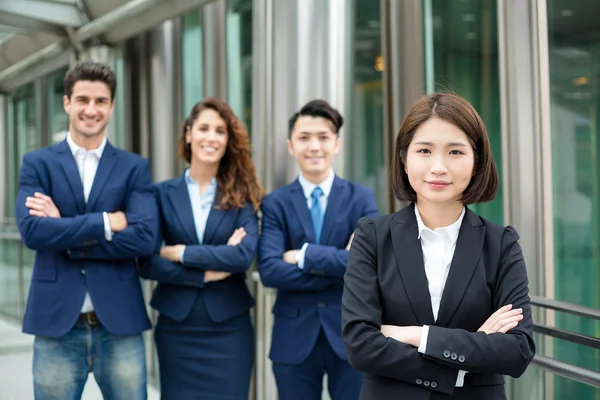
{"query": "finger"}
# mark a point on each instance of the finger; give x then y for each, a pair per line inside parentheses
(34, 205)
(508, 327)
(503, 309)
(506, 321)
(37, 213)
(43, 197)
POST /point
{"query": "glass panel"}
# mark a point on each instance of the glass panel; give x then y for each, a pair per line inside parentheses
(191, 65)
(59, 120)
(116, 130)
(574, 57)
(239, 59)
(364, 131)
(461, 56)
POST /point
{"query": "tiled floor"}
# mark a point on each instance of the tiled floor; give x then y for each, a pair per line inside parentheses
(15, 367)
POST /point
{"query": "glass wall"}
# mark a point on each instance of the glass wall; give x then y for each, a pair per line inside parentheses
(363, 134)
(574, 57)
(58, 118)
(461, 56)
(239, 58)
(191, 65)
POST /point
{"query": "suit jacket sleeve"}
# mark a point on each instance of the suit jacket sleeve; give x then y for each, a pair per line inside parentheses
(139, 238)
(368, 350)
(497, 353)
(329, 260)
(52, 234)
(224, 257)
(274, 271)
(162, 270)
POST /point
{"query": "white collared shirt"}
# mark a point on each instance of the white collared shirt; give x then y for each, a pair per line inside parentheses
(307, 189)
(438, 250)
(87, 165)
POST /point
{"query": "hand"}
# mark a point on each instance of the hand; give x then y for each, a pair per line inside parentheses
(118, 221)
(290, 256)
(350, 242)
(41, 205)
(172, 253)
(236, 237)
(406, 334)
(502, 320)
(213, 276)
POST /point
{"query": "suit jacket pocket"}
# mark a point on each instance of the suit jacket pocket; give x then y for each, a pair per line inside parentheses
(44, 273)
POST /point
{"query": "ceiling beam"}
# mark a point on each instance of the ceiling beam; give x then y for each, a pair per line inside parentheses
(29, 25)
(56, 13)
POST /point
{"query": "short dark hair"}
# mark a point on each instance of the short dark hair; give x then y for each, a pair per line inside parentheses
(90, 71)
(317, 108)
(459, 112)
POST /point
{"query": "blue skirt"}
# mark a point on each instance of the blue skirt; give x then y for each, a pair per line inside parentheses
(201, 359)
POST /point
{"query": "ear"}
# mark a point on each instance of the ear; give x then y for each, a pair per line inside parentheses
(338, 145)
(67, 104)
(188, 135)
(290, 147)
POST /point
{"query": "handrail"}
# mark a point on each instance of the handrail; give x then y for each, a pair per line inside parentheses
(567, 370)
(577, 338)
(563, 306)
(10, 236)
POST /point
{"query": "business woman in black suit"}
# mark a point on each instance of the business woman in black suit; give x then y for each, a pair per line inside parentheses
(435, 302)
(204, 336)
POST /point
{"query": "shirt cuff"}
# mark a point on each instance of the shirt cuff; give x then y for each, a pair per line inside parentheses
(424, 336)
(301, 255)
(460, 379)
(182, 254)
(108, 233)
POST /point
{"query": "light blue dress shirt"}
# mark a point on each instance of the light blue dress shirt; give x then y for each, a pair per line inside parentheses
(307, 189)
(201, 204)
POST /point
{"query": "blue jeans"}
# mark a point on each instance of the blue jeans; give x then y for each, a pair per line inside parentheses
(61, 365)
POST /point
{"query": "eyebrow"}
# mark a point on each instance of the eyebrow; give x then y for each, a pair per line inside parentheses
(451, 144)
(313, 133)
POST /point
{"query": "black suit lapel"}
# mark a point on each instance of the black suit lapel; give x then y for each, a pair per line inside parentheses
(467, 254)
(409, 257)
(299, 202)
(69, 166)
(180, 201)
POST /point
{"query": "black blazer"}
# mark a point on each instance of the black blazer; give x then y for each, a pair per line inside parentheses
(385, 284)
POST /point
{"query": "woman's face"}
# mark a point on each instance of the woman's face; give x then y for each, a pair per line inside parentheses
(439, 162)
(208, 138)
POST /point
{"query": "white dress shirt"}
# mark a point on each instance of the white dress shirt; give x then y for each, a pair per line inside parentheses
(307, 189)
(201, 205)
(438, 250)
(87, 164)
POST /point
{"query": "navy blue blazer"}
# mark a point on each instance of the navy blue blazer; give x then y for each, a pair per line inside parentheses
(179, 285)
(308, 299)
(72, 253)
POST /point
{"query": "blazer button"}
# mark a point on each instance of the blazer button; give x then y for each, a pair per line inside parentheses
(419, 382)
(426, 383)
(434, 384)
(461, 358)
(83, 272)
(321, 304)
(454, 356)
(446, 353)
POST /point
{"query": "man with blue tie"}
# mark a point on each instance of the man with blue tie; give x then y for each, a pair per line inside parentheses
(88, 211)
(307, 229)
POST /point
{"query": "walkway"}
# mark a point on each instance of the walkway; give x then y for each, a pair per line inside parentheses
(15, 367)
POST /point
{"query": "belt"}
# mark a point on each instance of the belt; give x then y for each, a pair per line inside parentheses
(90, 317)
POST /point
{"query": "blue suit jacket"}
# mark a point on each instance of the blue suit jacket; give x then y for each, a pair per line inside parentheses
(179, 285)
(308, 299)
(72, 253)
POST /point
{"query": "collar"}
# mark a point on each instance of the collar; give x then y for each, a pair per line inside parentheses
(189, 180)
(76, 148)
(308, 187)
(451, 230)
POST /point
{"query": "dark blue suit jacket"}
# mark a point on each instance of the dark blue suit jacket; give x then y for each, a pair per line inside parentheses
(179, 285)
(72, 253)
(308, 299)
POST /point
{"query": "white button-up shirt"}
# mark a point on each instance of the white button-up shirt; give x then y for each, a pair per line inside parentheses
(438, 250)
(87, 165)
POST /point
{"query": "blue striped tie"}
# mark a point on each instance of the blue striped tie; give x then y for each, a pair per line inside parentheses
(316, 213)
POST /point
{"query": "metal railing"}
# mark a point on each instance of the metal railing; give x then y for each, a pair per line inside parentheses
(562, 368)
